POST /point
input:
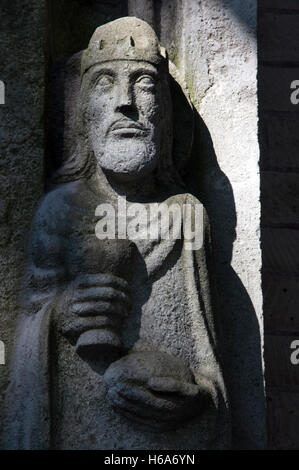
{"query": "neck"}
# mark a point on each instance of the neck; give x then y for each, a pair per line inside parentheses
(143, 189)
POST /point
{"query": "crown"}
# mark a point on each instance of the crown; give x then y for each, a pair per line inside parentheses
(127, 38)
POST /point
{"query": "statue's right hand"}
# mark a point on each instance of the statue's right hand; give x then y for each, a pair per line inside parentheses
(94, 301)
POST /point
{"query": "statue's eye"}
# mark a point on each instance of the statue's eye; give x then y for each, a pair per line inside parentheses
(105, 80)
(147, 82)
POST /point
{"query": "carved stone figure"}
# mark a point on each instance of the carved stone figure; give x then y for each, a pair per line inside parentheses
(116, 347)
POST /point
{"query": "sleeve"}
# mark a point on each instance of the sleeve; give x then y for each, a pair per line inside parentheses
(45, 271)
(27, 417)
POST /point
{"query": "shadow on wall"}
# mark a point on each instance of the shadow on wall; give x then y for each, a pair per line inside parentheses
(242, 11)
(72, 22)
(239, 333)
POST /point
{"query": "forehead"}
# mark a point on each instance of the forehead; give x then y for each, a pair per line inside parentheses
(126, 66)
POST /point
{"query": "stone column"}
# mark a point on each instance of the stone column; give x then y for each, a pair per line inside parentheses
(23, 65)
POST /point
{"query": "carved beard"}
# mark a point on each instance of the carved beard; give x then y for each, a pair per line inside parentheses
(126, 158)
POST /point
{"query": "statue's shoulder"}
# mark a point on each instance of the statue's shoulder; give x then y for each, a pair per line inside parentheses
(56, 207)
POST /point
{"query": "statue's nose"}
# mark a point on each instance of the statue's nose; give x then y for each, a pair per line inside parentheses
(124, 97)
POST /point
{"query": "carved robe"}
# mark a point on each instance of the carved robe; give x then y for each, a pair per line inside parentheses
(56, 399)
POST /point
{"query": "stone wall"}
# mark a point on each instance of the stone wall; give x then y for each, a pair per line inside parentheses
(279, 139)
(23, 68)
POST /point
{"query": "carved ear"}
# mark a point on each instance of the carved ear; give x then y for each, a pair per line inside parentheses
(183, 117)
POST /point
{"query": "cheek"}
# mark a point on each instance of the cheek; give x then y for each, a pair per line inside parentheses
(99, 107)
(148, 107)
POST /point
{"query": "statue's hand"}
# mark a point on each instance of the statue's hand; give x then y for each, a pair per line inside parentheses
(155, 389)
(94, 301)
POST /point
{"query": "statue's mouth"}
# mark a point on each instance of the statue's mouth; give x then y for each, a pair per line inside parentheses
(125, 127)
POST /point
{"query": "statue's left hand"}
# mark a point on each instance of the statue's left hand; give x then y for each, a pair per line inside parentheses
(155, 389)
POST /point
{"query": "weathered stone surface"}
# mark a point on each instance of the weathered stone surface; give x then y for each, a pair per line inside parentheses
(144, 10)
(219, 60)
(22, 39)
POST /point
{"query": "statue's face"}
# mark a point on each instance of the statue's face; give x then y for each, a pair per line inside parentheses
(124, 116)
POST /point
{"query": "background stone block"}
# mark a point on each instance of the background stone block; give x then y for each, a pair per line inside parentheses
(281, 373)
(275, 88)
(281, 4)
(280, 199)
(279, 141)
(283, 420)
(23, 64)
(280, 251)
(279, 35)
(281, 304)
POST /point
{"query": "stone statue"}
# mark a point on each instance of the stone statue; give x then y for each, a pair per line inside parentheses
(116, 347)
